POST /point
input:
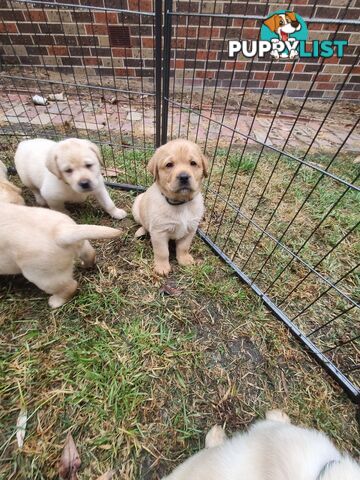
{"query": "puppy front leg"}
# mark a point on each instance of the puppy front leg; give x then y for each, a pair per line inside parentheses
(58, 205)
(160, 243)
(103, 197)
(182, 250)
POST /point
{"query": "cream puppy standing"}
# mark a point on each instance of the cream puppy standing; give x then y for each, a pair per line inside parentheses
(67, 171)
(272, 449)
(43, 245)
(171, 209)
(9, 193)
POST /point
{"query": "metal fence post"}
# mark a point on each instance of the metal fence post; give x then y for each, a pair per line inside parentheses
(158, 63)
(166, 69)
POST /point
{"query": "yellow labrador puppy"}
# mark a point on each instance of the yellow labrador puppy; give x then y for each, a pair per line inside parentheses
(9, 193)
(43, 245)
(67, 171)
(173, 206)
(272, 449)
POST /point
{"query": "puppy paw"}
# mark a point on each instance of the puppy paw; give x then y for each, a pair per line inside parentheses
(118, 213)
(140, 232)
(162, 268)
(277, 416)
(185, 260)
(215, 437)
(55, 301)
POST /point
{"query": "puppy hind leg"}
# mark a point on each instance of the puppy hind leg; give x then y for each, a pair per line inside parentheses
(63, 295)
(277, 416)
(182, 250)
(59, 284)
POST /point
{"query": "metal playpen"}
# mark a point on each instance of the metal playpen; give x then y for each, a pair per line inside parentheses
(282, 196)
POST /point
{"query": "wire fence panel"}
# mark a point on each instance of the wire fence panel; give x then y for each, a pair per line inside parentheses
(283, 192)
(282, 196)
(102, 60)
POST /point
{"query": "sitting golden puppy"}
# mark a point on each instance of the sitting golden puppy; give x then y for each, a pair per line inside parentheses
(43, 244)
(9, 193)
(171, 209)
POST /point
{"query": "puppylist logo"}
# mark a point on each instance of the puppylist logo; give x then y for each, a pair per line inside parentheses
(283, 35)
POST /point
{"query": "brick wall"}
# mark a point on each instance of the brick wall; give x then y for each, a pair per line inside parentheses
(79, 41)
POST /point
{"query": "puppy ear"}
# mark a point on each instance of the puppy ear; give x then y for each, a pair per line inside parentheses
(51, 164)
(271, 23)
(292, 16)
(205, 165)
(97, 152)
(153, 163)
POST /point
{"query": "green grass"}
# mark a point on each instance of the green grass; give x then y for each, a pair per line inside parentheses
(138, 377)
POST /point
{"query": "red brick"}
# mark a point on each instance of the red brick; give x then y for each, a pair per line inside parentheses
(324, 86)
(323, 78)
(205, 74)
(141, 5)
(123, 72)
(122, 52)
(103, 17)
(96, 29)
(148, 42)
(36, 15)
(58, 50)
(299, 67)
(92, 61)
(8, 27)
(203, 55)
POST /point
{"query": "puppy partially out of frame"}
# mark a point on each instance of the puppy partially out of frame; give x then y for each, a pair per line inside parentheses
(271, 449)
(43, 245)
(67, 171)
(9, 193)
(171, 209)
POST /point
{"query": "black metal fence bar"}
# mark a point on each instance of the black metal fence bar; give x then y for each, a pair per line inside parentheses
(331, 21)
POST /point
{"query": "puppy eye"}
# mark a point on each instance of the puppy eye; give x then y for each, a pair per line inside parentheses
(69, 170)
(88, 165)
(193, 163)
(281, 22)
(169, 165)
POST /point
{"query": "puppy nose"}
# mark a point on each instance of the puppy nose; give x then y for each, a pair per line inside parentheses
(183, 178)
(85, 184)
(295, 23)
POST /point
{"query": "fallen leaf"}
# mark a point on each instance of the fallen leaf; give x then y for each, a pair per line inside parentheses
(70, 461)
(168, 289)
(107, 476)
(21, 427)
(357, 160)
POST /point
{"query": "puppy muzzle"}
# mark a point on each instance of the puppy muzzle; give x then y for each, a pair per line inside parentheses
(85, 185)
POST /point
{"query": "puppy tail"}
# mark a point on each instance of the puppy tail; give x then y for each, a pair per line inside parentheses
(70, 234)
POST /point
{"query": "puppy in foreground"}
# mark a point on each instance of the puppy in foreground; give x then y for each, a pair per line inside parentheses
(66, 171)
(272, 449)
(43, 245)
(9, 193)
(171, 209)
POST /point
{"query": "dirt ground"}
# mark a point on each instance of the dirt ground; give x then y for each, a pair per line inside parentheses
(139, 377)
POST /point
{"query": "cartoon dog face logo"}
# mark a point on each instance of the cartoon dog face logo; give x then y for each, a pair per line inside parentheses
(283, 25)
